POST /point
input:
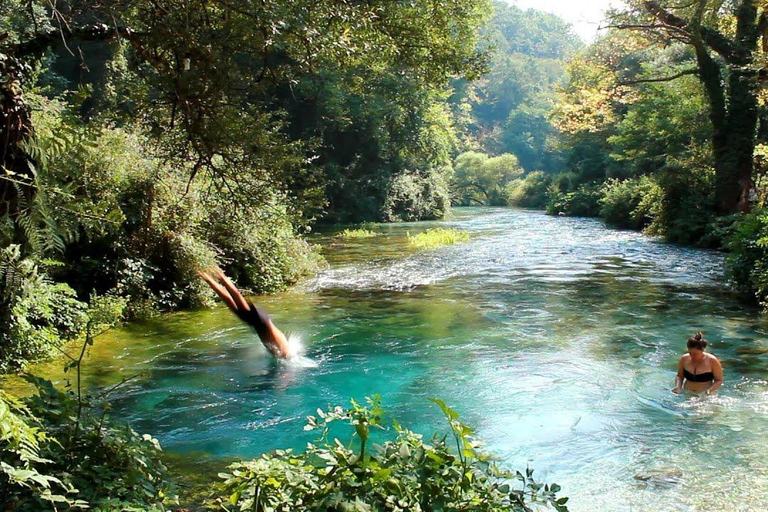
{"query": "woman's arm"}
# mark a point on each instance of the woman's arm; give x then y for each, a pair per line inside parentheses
(679, 377)
(717, 370)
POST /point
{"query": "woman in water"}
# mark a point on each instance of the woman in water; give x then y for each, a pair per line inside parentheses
(272, 337)
(700, 371)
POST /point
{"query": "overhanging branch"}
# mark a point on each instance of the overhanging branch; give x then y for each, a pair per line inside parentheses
(693, 71)
(43, 40)
(714, 39)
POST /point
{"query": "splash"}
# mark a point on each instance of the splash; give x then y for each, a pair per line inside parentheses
(296, 350)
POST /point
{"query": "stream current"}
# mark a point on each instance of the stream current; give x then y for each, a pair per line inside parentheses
(555, 338)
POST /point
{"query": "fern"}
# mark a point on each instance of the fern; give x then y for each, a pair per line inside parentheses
(43, 230)
(20, 446)
(16, 435)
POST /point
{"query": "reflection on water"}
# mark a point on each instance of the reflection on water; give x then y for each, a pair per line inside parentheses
(556, 338)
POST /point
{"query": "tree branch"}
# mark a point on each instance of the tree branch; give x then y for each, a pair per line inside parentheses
(43, 40)
(714, 39)
(694, 71)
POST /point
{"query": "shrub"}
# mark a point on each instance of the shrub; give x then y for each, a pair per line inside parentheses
(529, 192)
(262, 252)
(413, 196)
(57, 452)
(437, 238)
(20, 460)
(58, 449)
(401, 474)
(36, 315)
(629, 203)
(747, 263)
(582, 202)
(684, 205)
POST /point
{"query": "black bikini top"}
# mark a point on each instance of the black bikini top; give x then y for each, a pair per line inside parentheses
(699, 377)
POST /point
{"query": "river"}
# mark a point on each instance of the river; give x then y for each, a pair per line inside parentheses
(556, 338)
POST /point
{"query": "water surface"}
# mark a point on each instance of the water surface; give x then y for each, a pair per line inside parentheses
(555, 337)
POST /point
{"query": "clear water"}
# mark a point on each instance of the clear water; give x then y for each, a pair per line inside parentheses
(556, 338)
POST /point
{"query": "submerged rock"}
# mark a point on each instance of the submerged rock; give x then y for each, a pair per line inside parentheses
(663, 477)
(754, 350)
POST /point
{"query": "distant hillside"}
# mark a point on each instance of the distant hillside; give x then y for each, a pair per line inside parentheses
(509, 106)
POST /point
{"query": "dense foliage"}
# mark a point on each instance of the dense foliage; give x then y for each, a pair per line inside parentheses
(143, 141)
(480, 179)
(58, 453)
(36, 314)
(59, 450)
(663, 127)
(406, 473)
(747, 263)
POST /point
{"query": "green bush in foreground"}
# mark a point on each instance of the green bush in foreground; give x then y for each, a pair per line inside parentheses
(406, 474)
(437, 238)
(60, 451)
(64, 454)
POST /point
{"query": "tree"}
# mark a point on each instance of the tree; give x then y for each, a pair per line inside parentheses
(510, 104)
(479, 179)
(204, 76)
(725, 58)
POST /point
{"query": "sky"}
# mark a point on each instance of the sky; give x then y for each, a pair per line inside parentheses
(584, 15)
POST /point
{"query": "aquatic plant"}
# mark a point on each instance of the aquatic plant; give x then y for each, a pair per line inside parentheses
(401, 474)
(357, 233)
(437, 237)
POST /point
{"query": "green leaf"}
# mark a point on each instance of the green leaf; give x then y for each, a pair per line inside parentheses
(447, 411)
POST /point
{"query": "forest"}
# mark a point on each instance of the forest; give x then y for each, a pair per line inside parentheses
(144, 140)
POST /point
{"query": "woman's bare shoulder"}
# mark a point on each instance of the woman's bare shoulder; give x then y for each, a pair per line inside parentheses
(713, 358)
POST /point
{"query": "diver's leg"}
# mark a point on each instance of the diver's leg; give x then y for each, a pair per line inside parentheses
(219, 289)
(242, 304)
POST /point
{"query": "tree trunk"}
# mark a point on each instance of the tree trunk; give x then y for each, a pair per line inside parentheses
(735, 183)
(15, 126)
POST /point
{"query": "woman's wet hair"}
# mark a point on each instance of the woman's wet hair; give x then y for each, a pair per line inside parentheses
(697, 341)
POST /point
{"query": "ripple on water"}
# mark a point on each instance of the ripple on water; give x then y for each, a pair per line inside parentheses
(556, 338)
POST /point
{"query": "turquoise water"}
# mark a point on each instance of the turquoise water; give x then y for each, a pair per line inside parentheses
(555, 337)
